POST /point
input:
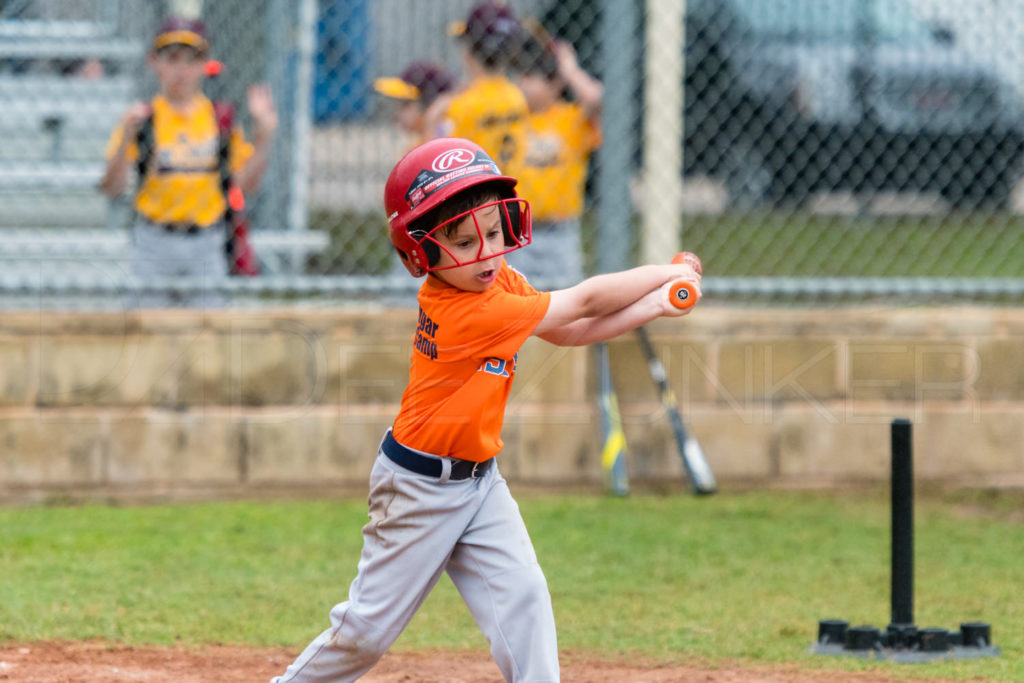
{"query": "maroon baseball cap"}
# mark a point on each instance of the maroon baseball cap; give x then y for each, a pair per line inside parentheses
(176, 30)
(420, 80)
(488, 18)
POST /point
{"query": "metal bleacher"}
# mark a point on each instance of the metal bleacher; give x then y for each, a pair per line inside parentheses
(55, 120)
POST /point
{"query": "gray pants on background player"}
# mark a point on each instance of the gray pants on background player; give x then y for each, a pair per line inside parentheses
(422, 526)
(554, 257)
(159, 254)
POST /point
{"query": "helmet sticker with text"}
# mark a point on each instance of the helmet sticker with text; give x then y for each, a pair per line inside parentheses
(447, 167)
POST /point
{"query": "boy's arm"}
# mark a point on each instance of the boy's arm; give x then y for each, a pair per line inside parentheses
(264, 116)
(588, 90)
(610, 304)
(592, 330)
(434, 117)
(115, 177)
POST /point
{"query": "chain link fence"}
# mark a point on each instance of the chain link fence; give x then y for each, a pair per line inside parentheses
(69, 70)
(806, 149)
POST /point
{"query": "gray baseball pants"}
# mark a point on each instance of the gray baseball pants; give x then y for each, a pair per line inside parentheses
(554, 257)
(168, 256)
(420, 527)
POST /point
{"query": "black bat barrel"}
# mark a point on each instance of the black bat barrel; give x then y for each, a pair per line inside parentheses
(902, 524)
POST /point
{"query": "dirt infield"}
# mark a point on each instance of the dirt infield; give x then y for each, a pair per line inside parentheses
(78, 662)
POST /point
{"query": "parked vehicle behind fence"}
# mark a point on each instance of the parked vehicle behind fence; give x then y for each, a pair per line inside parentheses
(785, 98)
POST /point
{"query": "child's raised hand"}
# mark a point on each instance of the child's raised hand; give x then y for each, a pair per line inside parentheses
(433, 116)
(566, 56)
(262, 110)
(134, 116)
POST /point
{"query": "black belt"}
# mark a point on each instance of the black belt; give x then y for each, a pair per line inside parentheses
(431, 467)
(176, 228)
(181, 228)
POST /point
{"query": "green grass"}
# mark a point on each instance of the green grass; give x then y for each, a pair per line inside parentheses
(780, 244)
(800, 244)
(735, 576)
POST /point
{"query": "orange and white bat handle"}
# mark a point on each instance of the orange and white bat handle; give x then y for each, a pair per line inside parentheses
(690, 258)
(682, 293)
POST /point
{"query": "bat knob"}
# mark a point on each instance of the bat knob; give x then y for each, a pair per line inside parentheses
(682, 294)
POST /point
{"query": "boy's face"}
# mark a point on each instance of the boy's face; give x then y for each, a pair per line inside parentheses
(180, 70)
(466, 243)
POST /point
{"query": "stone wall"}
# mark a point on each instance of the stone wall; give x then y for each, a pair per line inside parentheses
(181, 403)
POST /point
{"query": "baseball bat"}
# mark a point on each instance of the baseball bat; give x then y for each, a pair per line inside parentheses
(702, 481)
(682, 294)
(613, 453)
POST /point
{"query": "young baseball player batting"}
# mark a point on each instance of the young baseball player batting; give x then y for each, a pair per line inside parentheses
(437, 500)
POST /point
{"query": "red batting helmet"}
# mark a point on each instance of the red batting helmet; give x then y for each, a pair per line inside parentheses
(429, 175)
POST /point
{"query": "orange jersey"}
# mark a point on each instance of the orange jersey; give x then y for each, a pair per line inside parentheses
(463, 361)
(559, 142)
(492, 113)
(183, 183)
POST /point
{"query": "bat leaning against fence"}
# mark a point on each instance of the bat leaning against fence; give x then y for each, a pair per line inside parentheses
(613, 452)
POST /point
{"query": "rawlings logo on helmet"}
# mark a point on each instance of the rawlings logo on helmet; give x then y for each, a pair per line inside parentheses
(452, 159)
(447, 167)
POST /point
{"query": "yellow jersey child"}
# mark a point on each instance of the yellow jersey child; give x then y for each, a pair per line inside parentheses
(180, 203)
(491, 111)
(561, 135)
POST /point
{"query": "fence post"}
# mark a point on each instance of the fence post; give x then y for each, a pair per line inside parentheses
(663, 130)
(615, 157)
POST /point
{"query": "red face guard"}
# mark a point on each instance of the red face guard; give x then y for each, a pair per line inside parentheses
(516, 227)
